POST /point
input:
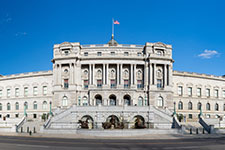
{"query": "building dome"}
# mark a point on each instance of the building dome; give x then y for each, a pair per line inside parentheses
(113, 42)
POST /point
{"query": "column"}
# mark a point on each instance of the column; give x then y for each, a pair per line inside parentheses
(170, 68)
(121, 73)
(90, 82)
(71, 74)
(117, 74)
(107, 74)
(103, 78)
(94, 81)
(146, 75)
(131, 74)
(135, 80)
(165, 75)
(151, 76)
(60, 74)
(155, 81)
(55, 73)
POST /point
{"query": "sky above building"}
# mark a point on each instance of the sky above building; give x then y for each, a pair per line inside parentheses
(195, 29)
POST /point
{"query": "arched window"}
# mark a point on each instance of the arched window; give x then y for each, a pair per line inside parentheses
(160, 102)
(45, 105)
(127, 100)
(35, 105)
(207, 106)
(17, 106)
(64, 101)
(0, 106)
(190, 106)
(98, 99)
(216, 107)
(85, 101)
(26, 105)
(199, 105)
(140, 101)
(8, 106)
(112, 99)
(180, 105)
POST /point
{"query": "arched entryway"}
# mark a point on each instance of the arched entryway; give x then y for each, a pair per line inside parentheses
(112, 100)
(112, 122)
(139, 122)
(86, 122)
(98, 99)
(127, 100)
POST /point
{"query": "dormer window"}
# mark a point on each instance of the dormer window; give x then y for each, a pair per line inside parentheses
(66, 51)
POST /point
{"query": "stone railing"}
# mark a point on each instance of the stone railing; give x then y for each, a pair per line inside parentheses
(20, 124)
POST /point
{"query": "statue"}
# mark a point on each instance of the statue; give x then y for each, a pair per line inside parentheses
(113, 124)
(139, 124)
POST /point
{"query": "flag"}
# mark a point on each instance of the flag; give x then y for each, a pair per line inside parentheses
(116, 22)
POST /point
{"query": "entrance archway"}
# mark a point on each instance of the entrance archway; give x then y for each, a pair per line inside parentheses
(98, 99)
(112, 122)
(139, 122)
(112, 100)
(127, 100)
(86, 122)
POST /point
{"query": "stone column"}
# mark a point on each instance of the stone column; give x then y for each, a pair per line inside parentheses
(151, 77)
(117, 74)
(155, 80)
(165, 75)
(90, 82)
(103, 78)
(135, 80)
(146, 75)
(94, 81)
(121, 74)
(71, 74)
(55, 73)
(131, 74)
(60, 74)
(107, 74)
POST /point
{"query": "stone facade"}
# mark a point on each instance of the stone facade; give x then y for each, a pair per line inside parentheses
(98, 81)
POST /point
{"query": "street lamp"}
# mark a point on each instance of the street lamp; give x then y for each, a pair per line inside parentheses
(174, 109)
(25, 109)
(50, 111)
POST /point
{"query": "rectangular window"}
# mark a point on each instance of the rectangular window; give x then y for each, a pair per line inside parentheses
(66, 83)
(159, 83)
(8, 92)
(17, 92)
(44, 90)
(189, 91)
(25, 91)
(99, 83)
(180, 90)
(99, 53)
(139, 84)
(216, 93)
(113, 53)
(0, 93)
(138, 53)
(126, 83)
(35, 91)
(199, 93)
(113, 83)
(190, 116)
(85, 53)
(207, 92)
(126, 53)
(85, 84)
(17, 115)
(223, 93)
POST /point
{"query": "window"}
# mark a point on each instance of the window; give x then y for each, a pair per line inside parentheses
(99, 83)
(17, 92)
(139, 84)
(180, 90)
(207, 115)
(140, 101)
(35, 105)
(190, 116)
(126, 83)
(199, 93)
(159, 52)
(199, 105)
(216, 93)
(159, 83)
(8, 116)
(0, 106)
(216, 107)
(8, 92)
(189, 91)
(126, 53)
(113, 83)
(66, 52)
(99, 53)
(34, 116)
(25, 91)
(85, 53)
(113, 53)
(190, 106)
(0, 93)
(85, 101)
(17, 115)
(207, 92)
(223, 93)
(160, 102)
(180, 105)
(35, 91)
(44, 90)
(8, 106)
(44, 105)
(66, 83)
(64, 101)
(85, 84)
(17, 106)
(138, 53)
(207, 106)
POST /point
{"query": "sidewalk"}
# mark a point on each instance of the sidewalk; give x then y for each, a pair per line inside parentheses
(153, 136)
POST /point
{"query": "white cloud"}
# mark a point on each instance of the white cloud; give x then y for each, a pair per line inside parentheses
(21, 33)
(207, 54)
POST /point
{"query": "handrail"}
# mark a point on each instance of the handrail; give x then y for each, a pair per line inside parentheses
(19, 124)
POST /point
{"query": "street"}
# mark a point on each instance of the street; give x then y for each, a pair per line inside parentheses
(37, 143)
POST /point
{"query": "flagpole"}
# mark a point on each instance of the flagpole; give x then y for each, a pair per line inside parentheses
(112, 28)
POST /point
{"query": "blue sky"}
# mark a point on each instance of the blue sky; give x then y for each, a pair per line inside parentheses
(30, 28)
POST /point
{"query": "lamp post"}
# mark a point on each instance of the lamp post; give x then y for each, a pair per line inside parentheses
(174, 109)
(25, 109)
(200, 114)
(50, 111)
